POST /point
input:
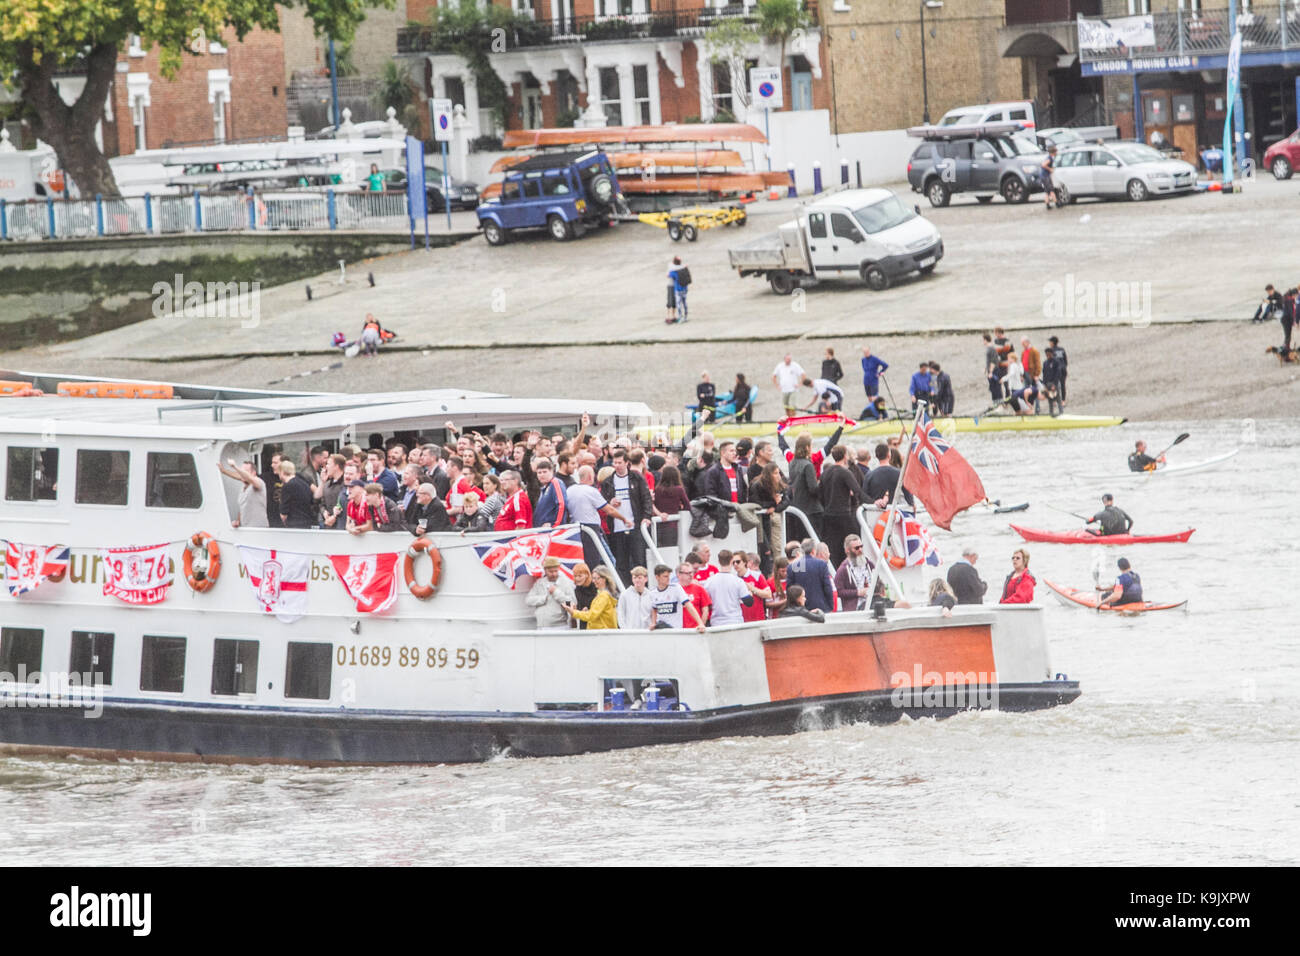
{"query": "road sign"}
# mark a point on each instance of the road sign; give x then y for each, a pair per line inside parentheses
(441, 110)
(765, 89)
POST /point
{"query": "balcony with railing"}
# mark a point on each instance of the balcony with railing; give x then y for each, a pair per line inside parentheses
(1205, 33)
(654, 25)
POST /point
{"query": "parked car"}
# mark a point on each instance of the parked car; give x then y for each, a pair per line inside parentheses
(867, 233)
(1283, 157)
(1020, 111)
(463, 195)
(987, 160)
(1061, 136)
(1119, 169)
(564, 193)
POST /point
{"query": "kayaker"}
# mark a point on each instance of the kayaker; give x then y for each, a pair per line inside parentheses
(1019, 585)
(1141, 461)
(1127, 589)
(1110, 520)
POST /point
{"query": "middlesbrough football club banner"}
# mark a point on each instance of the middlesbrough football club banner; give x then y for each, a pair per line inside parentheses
(516, 559)
(27, 566)
(370, 579)
(139, 575)
(279, 581)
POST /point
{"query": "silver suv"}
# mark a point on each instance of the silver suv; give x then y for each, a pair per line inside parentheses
(988, 160)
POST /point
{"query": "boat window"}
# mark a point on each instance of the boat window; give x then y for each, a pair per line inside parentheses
(173, 481)
(32, 475)
(162, 664)
(817, 225)
(101, 477)
(234, 666)
(20, 654)
(92, 656)
(309, 671)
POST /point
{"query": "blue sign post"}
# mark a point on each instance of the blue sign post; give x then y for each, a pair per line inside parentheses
(416, 205)
(441, 115)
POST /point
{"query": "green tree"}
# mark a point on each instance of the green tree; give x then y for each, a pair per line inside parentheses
(727, 42)
(475, 34)
(39, 38)
(779, 20)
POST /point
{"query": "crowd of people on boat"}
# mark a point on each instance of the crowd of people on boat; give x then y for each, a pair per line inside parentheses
(503, 483)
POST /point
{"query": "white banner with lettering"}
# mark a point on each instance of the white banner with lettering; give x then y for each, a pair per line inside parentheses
(1121, 33)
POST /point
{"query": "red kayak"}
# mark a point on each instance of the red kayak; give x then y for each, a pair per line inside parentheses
(1080, 536)
(1091, 598)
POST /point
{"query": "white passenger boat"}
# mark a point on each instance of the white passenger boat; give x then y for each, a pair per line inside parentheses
(1163, 471)
(273, 661)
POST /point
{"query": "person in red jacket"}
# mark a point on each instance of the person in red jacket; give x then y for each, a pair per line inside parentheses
(1019, 586)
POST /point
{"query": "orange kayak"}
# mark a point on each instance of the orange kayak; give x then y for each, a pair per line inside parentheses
(1082, 536)
(677, 133)
(660, 159)
(1090, 598)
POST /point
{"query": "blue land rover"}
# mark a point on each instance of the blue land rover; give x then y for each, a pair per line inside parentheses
(564, 193)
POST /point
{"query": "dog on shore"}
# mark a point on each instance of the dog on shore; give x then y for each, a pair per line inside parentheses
(1284, 356)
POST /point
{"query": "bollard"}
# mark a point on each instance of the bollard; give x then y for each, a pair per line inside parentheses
(859, 167)
(99, 214)
(817, 177)
(792, 192)
(49, 205)
(331, 210)
(844, 172)
(252, 209)
(148, 213)
(4, 220)
(198, 212)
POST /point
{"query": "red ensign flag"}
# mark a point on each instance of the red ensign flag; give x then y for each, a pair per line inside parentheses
(938, 475)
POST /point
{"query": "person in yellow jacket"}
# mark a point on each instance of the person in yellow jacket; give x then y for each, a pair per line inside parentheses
(603, 613)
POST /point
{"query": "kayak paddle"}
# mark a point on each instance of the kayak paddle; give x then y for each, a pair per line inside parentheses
(1083, 518)
(1177, 441)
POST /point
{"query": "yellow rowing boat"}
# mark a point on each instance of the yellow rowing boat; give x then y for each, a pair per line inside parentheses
(989, 423)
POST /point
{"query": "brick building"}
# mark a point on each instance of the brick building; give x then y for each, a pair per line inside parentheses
(875, 57)
(225, 90)
(616, 62)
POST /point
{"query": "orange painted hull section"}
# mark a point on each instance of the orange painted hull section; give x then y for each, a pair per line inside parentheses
(704, 183)
(661, 159)
(681, 133)
(854, 663)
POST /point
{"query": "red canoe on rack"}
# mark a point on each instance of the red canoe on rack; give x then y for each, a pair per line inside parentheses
(1080, 536)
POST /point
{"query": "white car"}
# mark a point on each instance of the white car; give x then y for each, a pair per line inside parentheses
(1119, 169)
(1021, 111)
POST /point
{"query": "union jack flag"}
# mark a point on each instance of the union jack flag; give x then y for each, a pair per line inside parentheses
(928, 445)
(28, 565)
(920, 546)
(520, 558)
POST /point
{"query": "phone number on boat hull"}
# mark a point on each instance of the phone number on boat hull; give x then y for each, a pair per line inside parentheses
(373, 655)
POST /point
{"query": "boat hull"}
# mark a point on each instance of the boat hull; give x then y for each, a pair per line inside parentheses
(129, 730)
(1078, 536)
(1090, 599)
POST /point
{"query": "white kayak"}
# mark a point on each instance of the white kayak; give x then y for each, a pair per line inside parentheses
(1178, 469)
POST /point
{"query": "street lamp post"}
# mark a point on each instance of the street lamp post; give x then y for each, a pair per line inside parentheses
(925, 84)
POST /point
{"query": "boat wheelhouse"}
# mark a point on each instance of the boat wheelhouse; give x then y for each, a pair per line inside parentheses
(108, 647)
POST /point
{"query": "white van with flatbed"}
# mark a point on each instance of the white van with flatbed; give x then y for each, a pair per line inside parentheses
(869, 234)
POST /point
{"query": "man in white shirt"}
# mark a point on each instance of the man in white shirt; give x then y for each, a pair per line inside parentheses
(586, 504)
(727, 590)
(636, 605)
(549, 594)
(786, 377)
(671, 601)
(827, 393)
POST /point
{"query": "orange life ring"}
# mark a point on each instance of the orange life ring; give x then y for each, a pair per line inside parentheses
(420, 546)
(206, 576)
(879, 534)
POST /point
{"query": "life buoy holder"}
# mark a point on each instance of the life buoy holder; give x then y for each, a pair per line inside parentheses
(205, 576)
(879, 534)
(422, 546)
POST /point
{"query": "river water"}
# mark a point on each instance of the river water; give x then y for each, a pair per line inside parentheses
(1182, 750)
